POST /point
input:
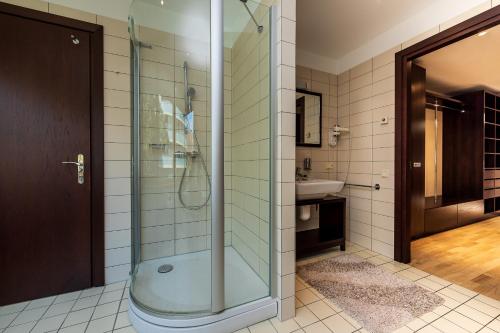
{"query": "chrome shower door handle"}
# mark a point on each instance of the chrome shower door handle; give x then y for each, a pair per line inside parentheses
(80, 164)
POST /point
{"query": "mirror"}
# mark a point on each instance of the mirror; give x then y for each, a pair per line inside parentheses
(308, 123)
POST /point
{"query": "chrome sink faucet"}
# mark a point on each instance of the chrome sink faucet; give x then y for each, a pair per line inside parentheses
(299, 175)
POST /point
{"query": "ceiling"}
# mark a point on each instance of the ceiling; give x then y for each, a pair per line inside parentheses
(348, 24)
(470, 64)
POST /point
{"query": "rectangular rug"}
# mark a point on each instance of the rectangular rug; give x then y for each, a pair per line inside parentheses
(379, 300)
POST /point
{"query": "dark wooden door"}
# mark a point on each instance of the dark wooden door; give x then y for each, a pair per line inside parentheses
(45, 214)
(417, 148)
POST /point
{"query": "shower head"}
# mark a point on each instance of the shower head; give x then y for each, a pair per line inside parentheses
(191, 92)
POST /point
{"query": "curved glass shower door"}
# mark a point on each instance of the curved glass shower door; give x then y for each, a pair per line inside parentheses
(183, 263)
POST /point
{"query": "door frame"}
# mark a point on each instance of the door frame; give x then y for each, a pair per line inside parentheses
(96, 125)
(403, 188)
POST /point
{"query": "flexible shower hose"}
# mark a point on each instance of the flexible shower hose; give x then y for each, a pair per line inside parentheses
(179, 192)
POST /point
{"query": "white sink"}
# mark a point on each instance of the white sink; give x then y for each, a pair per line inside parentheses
(317, 188)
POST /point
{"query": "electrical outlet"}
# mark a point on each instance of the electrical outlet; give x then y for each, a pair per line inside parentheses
(384, 121)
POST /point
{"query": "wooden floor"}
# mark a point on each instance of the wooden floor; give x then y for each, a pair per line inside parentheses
(468, 256)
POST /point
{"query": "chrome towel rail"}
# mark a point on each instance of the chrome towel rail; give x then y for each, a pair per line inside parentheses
(376, 187)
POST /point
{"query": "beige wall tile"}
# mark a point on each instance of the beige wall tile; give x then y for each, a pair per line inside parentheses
(113, 27)
(386, 57)
(420, 37)
(72, 13)
(361, 69)
(468, 14)
(32, 4)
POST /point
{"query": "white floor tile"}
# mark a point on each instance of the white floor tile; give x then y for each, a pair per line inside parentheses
(483, 307)
(58, 309)
(299, 285)
(429, 284)
(429, 329)
(429, 317)
(262, 327)
(338, 324)
(474, 314)
(304, 317)
(128, 329)
(409, 275)
(403, 329)
(115, 286)
(122, 320)
(91, 292)
(447, 326)
(455, 295)
(318, 327)
(351, 320)
(49, 324)
(306, 296)
(286, 326)
(80, 328)
(77, 317)
(101, 325)
(463, 321)
(321, 310)
(67, 297)
(111, 296)
(7, 319)
(29, 315)
(494, 325)
(106, 310)
(12, 308)
(123, 306)
(416, 324)
(24, 328)
(490, 301)
(41, 302)
(86, 302)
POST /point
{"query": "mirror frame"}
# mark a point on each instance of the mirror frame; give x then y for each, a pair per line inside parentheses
(308, 92)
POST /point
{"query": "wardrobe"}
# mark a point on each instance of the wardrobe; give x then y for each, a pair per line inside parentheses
(455, 145)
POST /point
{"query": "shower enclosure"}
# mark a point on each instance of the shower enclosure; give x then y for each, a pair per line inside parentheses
(201, 236)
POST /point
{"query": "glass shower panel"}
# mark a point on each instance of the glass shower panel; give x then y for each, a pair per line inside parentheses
(174, 260)
(172, 257)
(247, 151)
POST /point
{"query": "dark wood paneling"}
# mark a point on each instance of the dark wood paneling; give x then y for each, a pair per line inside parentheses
(471, 212)
(440, 219)
(470, 142)
(417, 100)
(402, 236)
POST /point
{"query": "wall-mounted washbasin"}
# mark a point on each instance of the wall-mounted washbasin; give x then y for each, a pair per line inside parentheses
(317, 188)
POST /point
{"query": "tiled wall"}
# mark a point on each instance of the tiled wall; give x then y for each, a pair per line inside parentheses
(284, 228)
(250, 135)
(168, 228)
(365, 96)
(324, 158)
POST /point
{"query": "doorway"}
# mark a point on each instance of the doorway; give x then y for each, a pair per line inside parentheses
(446, 187)
(51, 104)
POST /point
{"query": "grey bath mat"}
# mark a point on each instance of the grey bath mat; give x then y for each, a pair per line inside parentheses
(379, 300)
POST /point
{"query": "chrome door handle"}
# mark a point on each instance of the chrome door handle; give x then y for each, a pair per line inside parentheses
(80, 164)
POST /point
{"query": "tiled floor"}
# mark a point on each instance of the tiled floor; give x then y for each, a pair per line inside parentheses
(104, 309)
